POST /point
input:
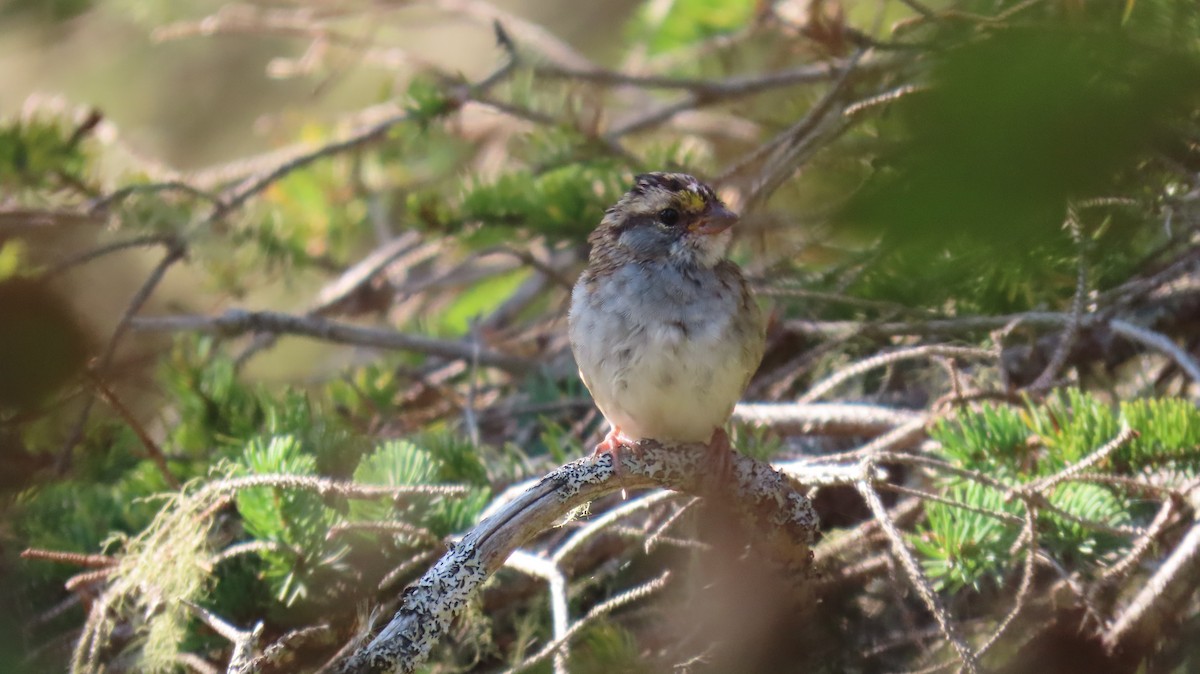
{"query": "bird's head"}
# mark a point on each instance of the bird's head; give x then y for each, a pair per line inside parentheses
(666, 216)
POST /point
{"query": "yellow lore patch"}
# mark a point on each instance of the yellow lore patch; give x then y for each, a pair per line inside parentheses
(691, 201)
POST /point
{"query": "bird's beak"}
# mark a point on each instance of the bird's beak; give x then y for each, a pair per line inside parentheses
(714, 221)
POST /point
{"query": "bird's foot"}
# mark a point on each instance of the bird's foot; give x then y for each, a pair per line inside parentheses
(720, 457)
(612, 444)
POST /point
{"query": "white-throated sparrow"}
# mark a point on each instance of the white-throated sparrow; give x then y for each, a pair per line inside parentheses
(664, 328)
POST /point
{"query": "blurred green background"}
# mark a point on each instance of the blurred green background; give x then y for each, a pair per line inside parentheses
(982, 158)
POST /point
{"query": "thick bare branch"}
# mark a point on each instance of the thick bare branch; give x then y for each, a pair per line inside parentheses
(785, 519)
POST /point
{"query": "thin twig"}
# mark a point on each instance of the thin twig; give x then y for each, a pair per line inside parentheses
(73, 558)
(1078, 305)
(245, 642)
(1032, 498)
(152, 449)
(593, 527)
(1158, 342)
(102, 204)
(866, 365)
(659, 533)
(1172, 583)
(406, 566)
(244, 548)
(560, 618)
(1141, 547)
(393, 527)
(284, 648)
(824, 418)
(943, 326)
(89, 255)
(256, 184)
(954, 503)
(235, 322)
(175, 252)
(793, 147)
(1123, 437)
(1029, 536)
(917, 577)
(872, 102)
(601, 609)
(704, 89)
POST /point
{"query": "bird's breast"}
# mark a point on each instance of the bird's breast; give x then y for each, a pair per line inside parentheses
(663, 359)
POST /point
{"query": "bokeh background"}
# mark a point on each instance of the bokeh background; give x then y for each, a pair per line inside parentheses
(997, 198)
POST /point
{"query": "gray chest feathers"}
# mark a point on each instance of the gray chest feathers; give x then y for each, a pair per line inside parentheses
(668, 358)
(676, 308)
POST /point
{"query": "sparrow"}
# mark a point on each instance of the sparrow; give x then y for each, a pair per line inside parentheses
(664, 327)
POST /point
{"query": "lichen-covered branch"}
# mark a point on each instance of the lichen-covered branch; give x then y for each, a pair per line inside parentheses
(784, 519)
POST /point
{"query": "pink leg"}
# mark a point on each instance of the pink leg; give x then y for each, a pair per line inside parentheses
(720, 456)
(612, 444)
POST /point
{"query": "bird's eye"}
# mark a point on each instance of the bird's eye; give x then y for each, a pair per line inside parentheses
(668, 216)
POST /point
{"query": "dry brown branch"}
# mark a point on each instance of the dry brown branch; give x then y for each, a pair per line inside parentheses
(339, 295)
(934, 327)
(660, 532)
(900, 438)
(81, 580)
(73, 558)
(152, 449)
(325, 486)
(1130, 485)
(1032, 498)
(878, 100)
(930, 497)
